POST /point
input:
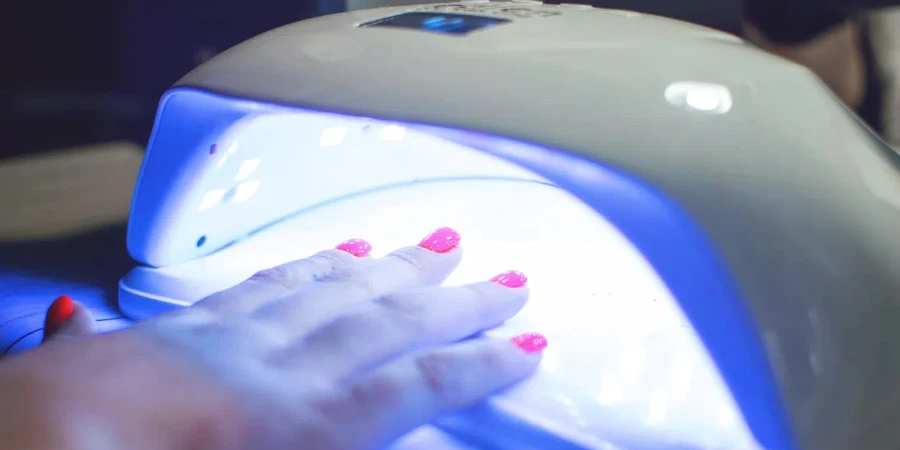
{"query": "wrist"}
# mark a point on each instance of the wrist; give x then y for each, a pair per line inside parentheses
(26, 420)
(107, 393)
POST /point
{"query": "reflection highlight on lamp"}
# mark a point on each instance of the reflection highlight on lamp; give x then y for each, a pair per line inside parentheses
(392, 133)
(332, 136)
(245, 191)
(700, 97)
(247, 168)
(211, 198)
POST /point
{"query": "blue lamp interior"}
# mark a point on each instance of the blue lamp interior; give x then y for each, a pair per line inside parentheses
(222, 203)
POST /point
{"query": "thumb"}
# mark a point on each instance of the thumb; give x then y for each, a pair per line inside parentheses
(66, 319)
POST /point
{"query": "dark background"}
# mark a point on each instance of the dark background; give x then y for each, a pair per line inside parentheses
(78, 72)
(81, 72)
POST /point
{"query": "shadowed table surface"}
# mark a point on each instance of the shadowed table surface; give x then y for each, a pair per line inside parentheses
(63, 218)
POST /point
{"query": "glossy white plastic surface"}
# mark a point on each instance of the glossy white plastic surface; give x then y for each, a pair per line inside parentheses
(270, 165)
(623, 367)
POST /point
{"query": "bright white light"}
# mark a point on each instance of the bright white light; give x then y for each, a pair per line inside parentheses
(704, 100)
(550, 361)
(392, 133)
(247, 168)
(682, 374)
(211, 198)
(332, 136)
(233, 148)
(610, 394)
(616, 334)
(658, 410)
(726, 417)
(245, 190)
(702, 97)
(633, 362)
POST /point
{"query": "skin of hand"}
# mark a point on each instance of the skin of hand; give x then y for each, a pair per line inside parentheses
(335, 351)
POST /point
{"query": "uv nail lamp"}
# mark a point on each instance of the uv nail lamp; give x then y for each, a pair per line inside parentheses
(710, 237)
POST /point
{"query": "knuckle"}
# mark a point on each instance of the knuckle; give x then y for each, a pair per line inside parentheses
(435, 371)
(414, 257)
(333, 406)
(480, 295)
(329, 260)
(327, 401)
(492, 304)
(404, 310)
(377, 393)
(328, 412)
(213, 328)
(342, 329)
(491, 358)
(353, 278)
(255, 332)
(316, 267)
(278, 275)
(236, 334)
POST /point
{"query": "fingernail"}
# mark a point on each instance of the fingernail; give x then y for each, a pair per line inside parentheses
(441, 240)
(530, 342)
(60, 311)
(356, 247)
(511, 279)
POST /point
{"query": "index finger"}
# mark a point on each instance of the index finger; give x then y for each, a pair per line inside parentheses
(273, 283)
(332, 295)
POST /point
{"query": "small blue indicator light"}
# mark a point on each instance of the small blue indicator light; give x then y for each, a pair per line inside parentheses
(434, 21)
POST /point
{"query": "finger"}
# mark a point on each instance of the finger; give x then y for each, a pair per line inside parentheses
(270, 284)
(414, 390)
(427, 264)
(331, 296)
(398, 323)
(66, 319)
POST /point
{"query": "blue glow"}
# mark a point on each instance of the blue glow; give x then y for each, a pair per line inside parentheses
(438, 23)
(683, 256)
(664, 233)
(435, 21)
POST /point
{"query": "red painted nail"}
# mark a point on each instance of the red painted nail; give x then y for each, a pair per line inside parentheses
(60, 311)
(511, 279)
(441, 240)
(530, 342)
(356, 247)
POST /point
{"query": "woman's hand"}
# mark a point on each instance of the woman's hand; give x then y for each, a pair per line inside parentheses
(336, 351)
